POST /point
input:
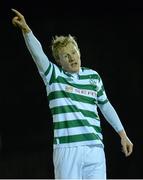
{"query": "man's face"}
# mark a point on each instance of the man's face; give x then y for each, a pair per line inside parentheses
(69, 58)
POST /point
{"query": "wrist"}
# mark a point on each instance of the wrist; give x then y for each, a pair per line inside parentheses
(122, 134)
(26, 29)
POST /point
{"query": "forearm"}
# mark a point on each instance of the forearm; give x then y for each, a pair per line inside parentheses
(36, 50)
(32, 43)
(111, 116)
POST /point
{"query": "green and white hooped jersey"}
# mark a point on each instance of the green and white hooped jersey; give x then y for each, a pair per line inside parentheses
(73, 100)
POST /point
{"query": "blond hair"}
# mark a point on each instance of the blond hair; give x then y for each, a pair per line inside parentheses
(61, 41)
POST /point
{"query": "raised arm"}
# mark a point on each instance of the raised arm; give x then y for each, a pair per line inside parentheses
(31, 41)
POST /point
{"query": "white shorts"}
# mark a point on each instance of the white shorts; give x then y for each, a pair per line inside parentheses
(80, 162)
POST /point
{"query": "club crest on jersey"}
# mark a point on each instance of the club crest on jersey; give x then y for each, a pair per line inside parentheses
(69, 89)
(92, 82)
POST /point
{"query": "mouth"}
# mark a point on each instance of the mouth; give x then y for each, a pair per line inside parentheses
(74, 64)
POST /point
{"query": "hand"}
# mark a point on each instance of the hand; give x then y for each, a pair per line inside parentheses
(19, 21)
(127, 146)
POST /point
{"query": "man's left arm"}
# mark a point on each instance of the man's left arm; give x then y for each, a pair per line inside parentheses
(112, 117)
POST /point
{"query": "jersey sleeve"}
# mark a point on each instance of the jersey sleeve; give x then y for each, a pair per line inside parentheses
(46, 68)
(101, 94)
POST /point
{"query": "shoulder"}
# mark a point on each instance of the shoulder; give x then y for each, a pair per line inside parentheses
(89, 71)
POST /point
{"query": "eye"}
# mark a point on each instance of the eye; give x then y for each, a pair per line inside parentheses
(65, 56)
(74, 52)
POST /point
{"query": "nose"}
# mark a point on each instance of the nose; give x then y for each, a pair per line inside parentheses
(70, 59)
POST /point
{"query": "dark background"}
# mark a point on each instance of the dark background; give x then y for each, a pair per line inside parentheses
(110, 38)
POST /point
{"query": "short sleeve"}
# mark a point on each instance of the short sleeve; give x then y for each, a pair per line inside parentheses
(101, 94)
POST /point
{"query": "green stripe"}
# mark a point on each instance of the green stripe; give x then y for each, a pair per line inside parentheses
(89, 76)
(103, 102)
(100, 93)
(52, 76)
(72, 108)
(75, 97)
(79, 86)
(90, 114)
(47, 71)
(77, 138)
(75, 123)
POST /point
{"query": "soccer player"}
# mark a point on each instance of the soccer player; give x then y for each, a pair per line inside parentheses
(74, 94)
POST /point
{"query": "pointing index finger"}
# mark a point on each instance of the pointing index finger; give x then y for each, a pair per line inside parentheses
(17, 13)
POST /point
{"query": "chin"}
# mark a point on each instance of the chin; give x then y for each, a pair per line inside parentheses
(72, 70)
(75, 70)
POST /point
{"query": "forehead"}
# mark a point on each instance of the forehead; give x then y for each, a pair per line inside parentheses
(69, 47)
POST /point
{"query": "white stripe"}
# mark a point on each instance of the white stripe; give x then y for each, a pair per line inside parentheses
(103, 97)
(73, 116)
(68, 101)
(93, 142)
(89, 71)
(74, 131)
